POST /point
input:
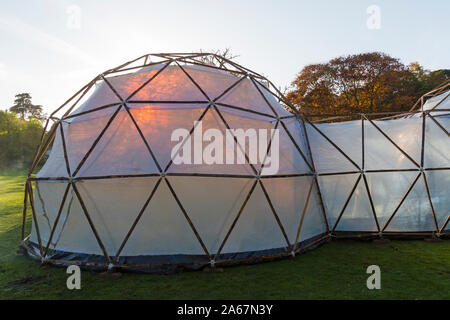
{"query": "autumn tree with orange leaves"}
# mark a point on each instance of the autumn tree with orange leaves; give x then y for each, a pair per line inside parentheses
(361, 83)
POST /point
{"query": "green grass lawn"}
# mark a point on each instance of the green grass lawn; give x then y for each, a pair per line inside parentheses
(336, 270)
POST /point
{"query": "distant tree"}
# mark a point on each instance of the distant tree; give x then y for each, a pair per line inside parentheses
(25, 109)
(426, 80)
(360, 83)
(18, 140)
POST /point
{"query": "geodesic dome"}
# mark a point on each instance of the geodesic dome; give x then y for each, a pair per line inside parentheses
(111, 193)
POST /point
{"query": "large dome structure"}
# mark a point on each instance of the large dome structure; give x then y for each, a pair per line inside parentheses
(187, 160)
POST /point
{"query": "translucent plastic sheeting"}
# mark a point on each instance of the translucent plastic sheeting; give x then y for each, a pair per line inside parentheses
(358, 214)
(246, 95)
(288, 196)
(415, 213)
(347, 136)
(441, 101)
(121, 150)
(256, 228)
(382, 154)
(335, 190)
(387, 190)
(437, 151)
(326, 157)
(212, 81)
(438, 183)
(212, 204)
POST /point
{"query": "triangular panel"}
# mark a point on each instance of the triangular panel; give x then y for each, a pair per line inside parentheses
(253, 134)
(171, 84)
(437, 151)
(213, 214)
(415, 213)
(76, 234)
(380, 153)
(159, 122)
(257, 228)
(406, 133)
(335, 190)
(47, 201)
(206, 162)
(113, 219)
(162, 229)
(80, 133)
(213, 82)
(120, 151)
(291, 146)
(358, 215)
(327, 158)
(347, 136)
(246, 95)
(99, 95)
(439, 185)
(127, 84)
(387, 190)
(288, 196)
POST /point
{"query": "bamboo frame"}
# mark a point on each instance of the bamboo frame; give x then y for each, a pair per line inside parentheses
(241, 73)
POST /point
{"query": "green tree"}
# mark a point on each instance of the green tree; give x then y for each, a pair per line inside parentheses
(25, 109)
(18, 140)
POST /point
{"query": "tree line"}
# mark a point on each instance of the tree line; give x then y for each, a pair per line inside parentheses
(20, 132)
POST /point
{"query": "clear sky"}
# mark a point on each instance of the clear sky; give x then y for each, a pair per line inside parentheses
(51, 48)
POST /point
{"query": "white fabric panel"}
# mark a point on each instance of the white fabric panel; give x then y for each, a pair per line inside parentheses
(113, 219)
(347, 136)
(280, 111)
(163, 229)
(99, 95)
(211, 120)
(326, 157)
(437, 151)
(256, 228)
(121, 150)
(415, 212)
(55, 165)
(406, 133)
(75, 235)
(387, 190)
(48, 197)
(335, 190)
(212, 204)
(441, 101)
(291, 160)
(288, 196)
(358, 215)
(212, 81)
(246, 95)
(157, 122)
(80, 133)
(439, 185)
(171, 84)
(381, 154)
